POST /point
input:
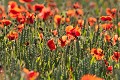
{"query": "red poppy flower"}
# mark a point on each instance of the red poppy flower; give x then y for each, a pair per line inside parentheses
(38, 7)
(12, 35)
(21, 19)
(80, 22)
(107, 38)
(30, 18)
(97, 53)
(73, 32)
(68, 28)
(114, 39)
(41, 36)
(70, 13)
(51, 44)
(15, 12)
(45, 13)
(107, 26)
(30, 75)
(57, 19)
(5, 22)
(109, 69)
(12, 4)
(111, 12)
(92, 21)
(54, 11)
(62, 41)
(29, 7)
(55, 32)
(67, 20)
(106, 18)
(2, 12)
(79, 12)
(20, 27)
(116, 56)
(90, 77)
(76, 5)
(23, 9)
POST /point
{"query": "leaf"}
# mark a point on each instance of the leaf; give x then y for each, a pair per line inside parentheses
(38, 59)
(118, 31)
(92, 60)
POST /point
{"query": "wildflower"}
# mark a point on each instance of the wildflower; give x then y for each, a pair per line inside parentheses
(106, 18)
(116, 56)
(114, 39)
(12, 35)
(97, 53)
(45, 13)
(111, 12)
(29, 7)
(41, 36)
(12, 4)
(90, 77)
(80, 22)
(51, 44)
(20, 27)
(72, 32)
(107, 38)
(67, 20)
(5, 22)
(2, 12)
(62, 41)
(38, 7)
(107, 26)
(79, 12)
(23, 9)
(92, 21)
(55, 32)
(21, 18)
(57, 19)
(30, 18)
(76, 5)
(15, 12)
(109, 69)
(70, 13)
(30, 75)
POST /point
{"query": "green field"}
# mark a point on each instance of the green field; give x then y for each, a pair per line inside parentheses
(60, 40)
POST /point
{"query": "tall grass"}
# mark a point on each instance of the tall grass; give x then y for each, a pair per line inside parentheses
(68, 63)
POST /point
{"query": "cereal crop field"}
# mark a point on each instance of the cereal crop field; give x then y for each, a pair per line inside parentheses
(59, 39)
